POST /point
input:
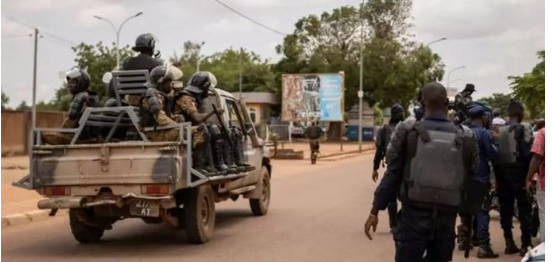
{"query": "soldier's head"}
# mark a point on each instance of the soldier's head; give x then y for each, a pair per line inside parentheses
(78, 80)
(434, 98)
(516, 110)
(164, 78)
(145, 43)
(496, 113)
(480, 114)
(201, 83)
(397, 113)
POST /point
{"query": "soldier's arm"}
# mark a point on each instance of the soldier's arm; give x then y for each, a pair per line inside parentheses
(490, 148)
(378, 156)
(188, 105)
(388, 188)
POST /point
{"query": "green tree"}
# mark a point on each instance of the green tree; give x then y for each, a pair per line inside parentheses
(23, 106)
(499, 101)
(5, 101)
(529, 88)
(257, 75)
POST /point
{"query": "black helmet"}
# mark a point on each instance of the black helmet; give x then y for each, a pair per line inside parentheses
(82, 78)
(144, 42)
(201, 82)
(160, 74)
(397, 112)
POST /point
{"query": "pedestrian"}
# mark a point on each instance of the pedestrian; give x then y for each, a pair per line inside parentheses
(537, 165)
(514, 148)
(382, 141)
(428, 162)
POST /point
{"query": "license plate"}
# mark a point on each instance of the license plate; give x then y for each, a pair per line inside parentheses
(144, 208)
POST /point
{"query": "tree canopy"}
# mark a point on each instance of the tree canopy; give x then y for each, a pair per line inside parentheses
(529, 88)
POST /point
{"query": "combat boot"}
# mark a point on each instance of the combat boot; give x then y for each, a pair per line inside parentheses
(485, 251)
(523, 250)
(239, 156)
(229, 158)
(209, 168)
(511, 247)
(218, 158)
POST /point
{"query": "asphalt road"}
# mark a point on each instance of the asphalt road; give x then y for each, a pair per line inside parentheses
(317, 213)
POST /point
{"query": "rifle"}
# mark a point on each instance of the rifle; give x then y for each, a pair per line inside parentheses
(224, 128)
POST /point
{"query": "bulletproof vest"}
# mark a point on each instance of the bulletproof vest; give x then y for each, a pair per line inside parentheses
(88, 98)
(435, 171)
(507, 145)
(140, 62)
(387, 132)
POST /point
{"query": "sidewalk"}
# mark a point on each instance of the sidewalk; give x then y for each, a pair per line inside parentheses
(328, 149)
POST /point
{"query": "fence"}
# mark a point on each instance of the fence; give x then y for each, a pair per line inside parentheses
(16, 128)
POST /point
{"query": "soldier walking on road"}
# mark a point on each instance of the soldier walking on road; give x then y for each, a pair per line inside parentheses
(382, 141)
(514, 147)
(428, 164)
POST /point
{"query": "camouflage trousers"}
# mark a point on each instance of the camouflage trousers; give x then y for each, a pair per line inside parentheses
(56, 138)
(198, 135)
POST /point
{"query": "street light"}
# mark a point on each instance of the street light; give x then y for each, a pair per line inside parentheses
(118, 31)
(361, 88)
(450, 72)
(198, 56)
(435, 41)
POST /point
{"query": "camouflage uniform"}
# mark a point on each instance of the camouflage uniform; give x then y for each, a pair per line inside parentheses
(161, 119)
(186, 105)
(79, 103)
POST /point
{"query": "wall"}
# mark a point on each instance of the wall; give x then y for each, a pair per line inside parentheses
(16, 128)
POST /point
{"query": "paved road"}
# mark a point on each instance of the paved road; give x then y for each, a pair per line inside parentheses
(317, 214)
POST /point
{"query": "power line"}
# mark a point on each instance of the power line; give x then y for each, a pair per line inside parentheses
(250, 19)
(42, 30)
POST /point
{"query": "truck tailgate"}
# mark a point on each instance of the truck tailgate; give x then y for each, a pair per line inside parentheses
(115, 163)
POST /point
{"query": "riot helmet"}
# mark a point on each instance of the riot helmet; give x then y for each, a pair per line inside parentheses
(164, 78)
(201, 82)
(145, 43)
(78, 80)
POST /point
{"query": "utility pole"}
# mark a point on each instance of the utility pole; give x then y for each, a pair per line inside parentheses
(34, 79)
(118, 32)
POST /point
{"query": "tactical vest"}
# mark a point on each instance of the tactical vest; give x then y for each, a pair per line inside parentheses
(146, 117)
(435, 170)
(507, 145)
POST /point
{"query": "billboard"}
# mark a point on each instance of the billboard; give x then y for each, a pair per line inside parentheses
(307, 97)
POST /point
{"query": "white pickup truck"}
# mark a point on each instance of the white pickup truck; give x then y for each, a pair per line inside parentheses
(102, 183)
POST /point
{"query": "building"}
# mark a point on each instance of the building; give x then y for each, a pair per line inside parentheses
(258, 104)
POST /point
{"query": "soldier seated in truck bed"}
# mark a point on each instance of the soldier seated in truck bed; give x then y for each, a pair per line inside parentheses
(78, 83)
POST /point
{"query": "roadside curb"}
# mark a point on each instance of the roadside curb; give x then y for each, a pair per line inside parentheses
(28, 217)
(345, 154)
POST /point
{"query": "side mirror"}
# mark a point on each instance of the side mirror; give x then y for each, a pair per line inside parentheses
(107, 78)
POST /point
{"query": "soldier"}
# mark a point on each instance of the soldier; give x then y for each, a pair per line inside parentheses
(314, 132)
(514, 148)
(78, 83)
(188, 103)
(155, 104)
(144, 45)
(382, 140)
(420, 153)
(480, 121)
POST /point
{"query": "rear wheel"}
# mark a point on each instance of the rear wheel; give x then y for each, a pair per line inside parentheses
(259, 206)
(83, 232)
(199, 214)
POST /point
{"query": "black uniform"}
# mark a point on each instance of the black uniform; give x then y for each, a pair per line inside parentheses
(140, 62)
(421, 229)
(382, 141)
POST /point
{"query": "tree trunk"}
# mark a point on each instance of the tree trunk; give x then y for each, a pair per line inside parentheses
(334, 132)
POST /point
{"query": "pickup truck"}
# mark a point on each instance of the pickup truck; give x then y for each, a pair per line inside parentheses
(102, 183)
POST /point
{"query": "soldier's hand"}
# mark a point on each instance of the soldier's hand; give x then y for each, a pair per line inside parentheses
(375, 175)
(219, 111)
(528, 186)
(371, 223)
(179, 119)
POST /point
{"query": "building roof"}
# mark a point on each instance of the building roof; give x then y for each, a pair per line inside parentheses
(258, 97)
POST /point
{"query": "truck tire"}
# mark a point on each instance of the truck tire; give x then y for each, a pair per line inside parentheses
(82, 232)
(199, 214)
(259, 206)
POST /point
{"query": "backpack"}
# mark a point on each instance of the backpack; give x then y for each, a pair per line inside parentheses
(507, 145)
(436, 171)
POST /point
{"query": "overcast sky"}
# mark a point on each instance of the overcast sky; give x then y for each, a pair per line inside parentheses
(492, 38)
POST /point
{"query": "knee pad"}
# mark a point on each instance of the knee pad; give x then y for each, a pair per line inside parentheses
(215, 132)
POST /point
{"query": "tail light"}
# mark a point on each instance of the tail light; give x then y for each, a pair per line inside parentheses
(57, 191)
(155, 189)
